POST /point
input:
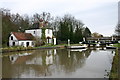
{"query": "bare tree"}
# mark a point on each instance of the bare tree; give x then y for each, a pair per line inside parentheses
(46, 18)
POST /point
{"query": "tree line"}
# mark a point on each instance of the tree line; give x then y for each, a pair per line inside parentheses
(64, 28)
(68, 27)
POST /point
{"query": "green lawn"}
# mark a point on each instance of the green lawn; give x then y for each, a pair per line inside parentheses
(117, 45)
(115, 68)
(59, 45)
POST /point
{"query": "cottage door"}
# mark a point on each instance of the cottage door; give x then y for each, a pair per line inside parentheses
(27, 44)
(13, 44)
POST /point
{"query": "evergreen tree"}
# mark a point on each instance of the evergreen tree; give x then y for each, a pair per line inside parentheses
(64, 31)
(87, 32)
(78, 35)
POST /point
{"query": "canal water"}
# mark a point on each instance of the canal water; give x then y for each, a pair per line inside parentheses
(57, 63)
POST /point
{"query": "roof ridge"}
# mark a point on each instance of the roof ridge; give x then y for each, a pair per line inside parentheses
(23, 36)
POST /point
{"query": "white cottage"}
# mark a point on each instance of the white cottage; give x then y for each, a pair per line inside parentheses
(38, 34)
(21, 39)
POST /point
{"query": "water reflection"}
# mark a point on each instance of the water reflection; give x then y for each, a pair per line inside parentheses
(17, 57)
(46, 63)
(49, 57)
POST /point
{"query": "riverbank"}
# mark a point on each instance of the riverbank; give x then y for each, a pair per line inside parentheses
(48, 46)
(115, 67)
(117, 45)
(19, 48)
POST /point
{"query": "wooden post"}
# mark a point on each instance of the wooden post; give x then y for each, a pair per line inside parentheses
(68, 42)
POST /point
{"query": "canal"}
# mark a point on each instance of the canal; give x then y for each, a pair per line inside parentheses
(58, 63)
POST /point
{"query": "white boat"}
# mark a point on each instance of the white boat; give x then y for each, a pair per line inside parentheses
(76, 47)
(80, 50)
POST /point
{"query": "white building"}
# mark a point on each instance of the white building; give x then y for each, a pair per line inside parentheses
(25, 39)
(21, 39)
(37, 33)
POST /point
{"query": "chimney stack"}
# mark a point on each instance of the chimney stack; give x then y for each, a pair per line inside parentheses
(40, 23)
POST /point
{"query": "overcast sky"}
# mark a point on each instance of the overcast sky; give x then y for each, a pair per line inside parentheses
(98, 15)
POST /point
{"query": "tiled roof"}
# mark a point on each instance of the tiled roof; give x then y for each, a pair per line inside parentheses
(23, 36)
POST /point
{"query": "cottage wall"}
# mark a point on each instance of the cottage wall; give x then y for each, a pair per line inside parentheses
(38, 32)
(48, 33)
(54, 41)
(13, 40)
(24, 43)
(35, 32)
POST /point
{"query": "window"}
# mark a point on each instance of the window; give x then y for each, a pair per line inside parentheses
(12, 58)
(48, 31)
(11, 37)
(32, 43)
(34, 32)
(22, 43)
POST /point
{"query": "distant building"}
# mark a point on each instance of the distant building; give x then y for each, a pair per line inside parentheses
(21, 39)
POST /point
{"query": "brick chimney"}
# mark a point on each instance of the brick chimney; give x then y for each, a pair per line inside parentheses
(41, 24)
(46, 23)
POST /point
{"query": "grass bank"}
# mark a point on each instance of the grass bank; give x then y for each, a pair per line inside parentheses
(115, 67)
(16, 48)
(20, 48)
(117, 45)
